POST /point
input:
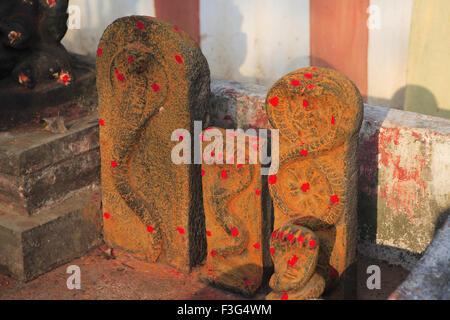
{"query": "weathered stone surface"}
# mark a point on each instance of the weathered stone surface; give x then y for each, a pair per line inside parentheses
(152, 79)
(430, 278)
(33, 245)
(403, 168)
(39, 167)
(318, 113)
(236, 215)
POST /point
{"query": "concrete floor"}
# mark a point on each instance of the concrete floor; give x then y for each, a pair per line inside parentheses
(124, 277)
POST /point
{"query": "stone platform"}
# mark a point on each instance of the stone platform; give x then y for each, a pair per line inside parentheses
(50, 200)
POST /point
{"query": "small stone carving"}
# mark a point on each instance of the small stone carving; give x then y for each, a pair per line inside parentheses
(233, 197)
(152, 79)
(318, 113)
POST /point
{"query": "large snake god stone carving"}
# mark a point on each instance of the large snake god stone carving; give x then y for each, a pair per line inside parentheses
(152, 79)
(318, 113)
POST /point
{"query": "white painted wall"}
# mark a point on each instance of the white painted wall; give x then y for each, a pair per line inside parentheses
(96, 15)
(388, 52)
(254, 41)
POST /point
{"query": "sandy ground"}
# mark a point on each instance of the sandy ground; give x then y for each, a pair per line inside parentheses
(124, 277)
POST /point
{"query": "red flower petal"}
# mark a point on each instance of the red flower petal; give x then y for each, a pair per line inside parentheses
(155, 87)
(203, 172)
(308, 75)
(175, 28)
(274, 101)
(140, 25)
(101, 122)
(305, 103)
(312, 244)
(106, 215)
(257, 192)
(272, 251)
(99, 51)
(311, 86)
(239, 165)
(295, 82)
(213, 253)
(208, 233)
(181, 230)
(113, 164)
(234, 231)
(284, 296)
(256, 246)
(130, 59)
(274, 234)
(150, 229)
(304, 153)
(272, 179)
(333, 120)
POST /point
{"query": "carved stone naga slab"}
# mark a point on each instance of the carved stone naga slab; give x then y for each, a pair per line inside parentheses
(152, 79)
(318, 113)
(233, 196)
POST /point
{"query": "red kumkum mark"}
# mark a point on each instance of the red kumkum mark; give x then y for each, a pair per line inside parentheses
(305, 187)
(234, 231)
(304, 153)
(334, 199)
(179, 60)
(257, 192)
(256, 246)
(284, 296)
(301, 238)
(113, 164)
(101, 122)
(224, 174)
(274, 101)
(272, 179)
(292, 261)
(208, 233)
(150, 229)
(290, 237)
(155, 87)
(181, 230)
(140, 25)
(130, 59)
(106, 215)
(333, 120)
(119, 76)
(213, 253)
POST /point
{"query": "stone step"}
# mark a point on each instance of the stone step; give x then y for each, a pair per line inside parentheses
(33, 245)
(39, 167)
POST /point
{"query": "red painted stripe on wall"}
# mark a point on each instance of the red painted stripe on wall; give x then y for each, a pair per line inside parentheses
(339, 38)
(183, 13)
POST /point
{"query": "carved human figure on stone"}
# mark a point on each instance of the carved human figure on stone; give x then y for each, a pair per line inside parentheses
(152, 79)
(318, 113)
(232, 193)
(30, 49)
